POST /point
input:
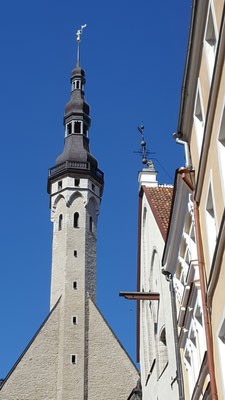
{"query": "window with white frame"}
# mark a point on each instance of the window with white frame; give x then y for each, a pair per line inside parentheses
(210, 39)
(221, 147)
(74, 126)
(211, 222)
(199, 119)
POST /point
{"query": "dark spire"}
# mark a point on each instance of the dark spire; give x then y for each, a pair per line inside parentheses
(77, 120)
(76, 154)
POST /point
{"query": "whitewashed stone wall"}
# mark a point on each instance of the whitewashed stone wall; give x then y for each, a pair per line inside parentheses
(35, 375)
(111, 373)
(155, 316)
(102, 370)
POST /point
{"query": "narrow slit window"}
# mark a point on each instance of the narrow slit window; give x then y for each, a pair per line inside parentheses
(78, 85)
(69, 129)
(75, 285)
(76, 220)
(59, 185)
(77, 182)
(60, 222)
(77, 127)
(73, 359)
(75, 253)
(74, 320)
(91, 224)
(93, 187)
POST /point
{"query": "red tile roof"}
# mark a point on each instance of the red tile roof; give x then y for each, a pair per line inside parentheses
(160, 200)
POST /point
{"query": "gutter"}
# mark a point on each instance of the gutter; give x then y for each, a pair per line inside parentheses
(183, 172)
(184, 83)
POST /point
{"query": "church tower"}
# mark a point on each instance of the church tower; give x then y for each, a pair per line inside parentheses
(74, 355)
(75, 186)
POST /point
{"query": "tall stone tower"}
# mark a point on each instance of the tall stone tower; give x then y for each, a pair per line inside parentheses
(75, 186)
(74, 355)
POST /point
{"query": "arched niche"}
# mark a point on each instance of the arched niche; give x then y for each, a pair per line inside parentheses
(60, 198)
(73, 197)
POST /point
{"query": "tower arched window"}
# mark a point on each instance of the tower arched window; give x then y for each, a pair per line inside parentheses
(69, 129)
(77, 126)
(60, 222)
(91, 224)
(77, 84)
(76, 220)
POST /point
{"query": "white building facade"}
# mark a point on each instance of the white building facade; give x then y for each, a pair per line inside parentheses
(157, 348)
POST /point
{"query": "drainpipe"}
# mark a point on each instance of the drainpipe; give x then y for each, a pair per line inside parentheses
(184, 172)
(179, 375)
(188, 163)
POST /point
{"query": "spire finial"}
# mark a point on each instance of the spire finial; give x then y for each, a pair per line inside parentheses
(79, 33)
(143, 143)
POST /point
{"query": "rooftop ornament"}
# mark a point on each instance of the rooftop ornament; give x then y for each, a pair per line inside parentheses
(143, 144)
(79, 33)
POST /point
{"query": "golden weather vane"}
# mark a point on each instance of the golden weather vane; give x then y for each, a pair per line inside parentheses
(79, 32)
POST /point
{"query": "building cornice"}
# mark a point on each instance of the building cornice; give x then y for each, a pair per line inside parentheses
(192, 66)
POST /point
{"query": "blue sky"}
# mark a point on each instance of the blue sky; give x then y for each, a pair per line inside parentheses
(133, 54)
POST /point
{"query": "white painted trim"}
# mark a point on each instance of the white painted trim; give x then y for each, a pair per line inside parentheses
(73, 127)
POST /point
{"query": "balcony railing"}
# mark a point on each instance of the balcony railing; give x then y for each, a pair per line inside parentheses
(74, 165)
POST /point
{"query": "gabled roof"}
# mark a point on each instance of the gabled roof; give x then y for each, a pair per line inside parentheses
(160, 200)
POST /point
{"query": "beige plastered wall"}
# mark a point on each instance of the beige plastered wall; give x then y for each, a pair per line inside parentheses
(213, 175)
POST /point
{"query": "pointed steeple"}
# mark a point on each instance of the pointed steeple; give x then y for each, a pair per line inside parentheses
(76, 154)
